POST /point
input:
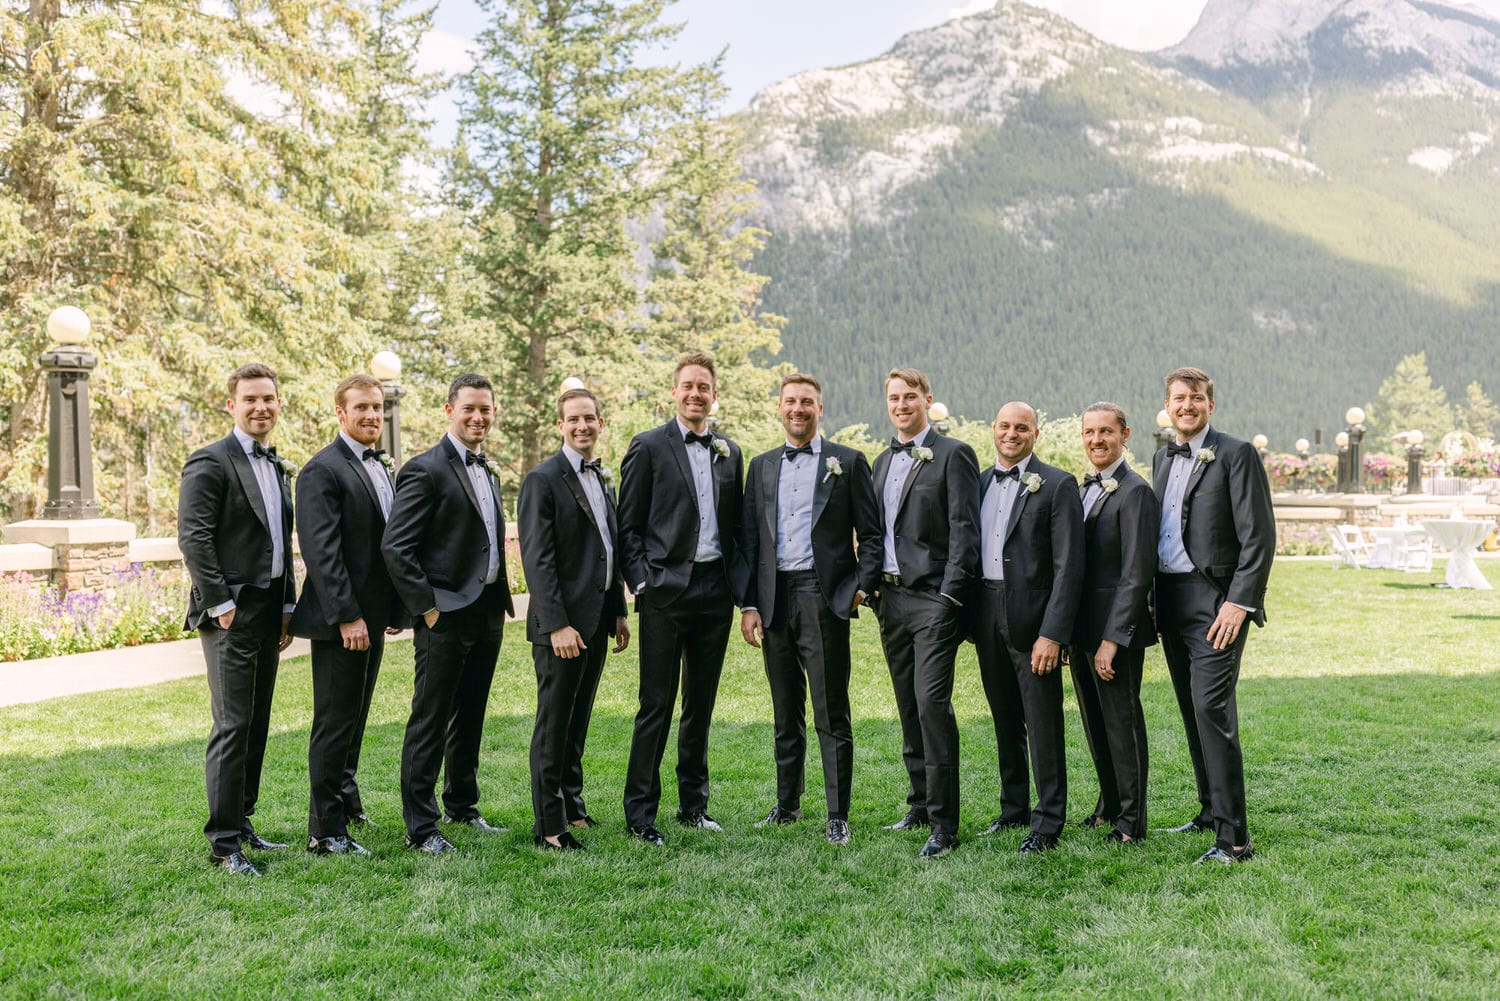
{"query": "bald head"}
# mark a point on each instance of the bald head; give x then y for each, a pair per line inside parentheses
(1016, 432)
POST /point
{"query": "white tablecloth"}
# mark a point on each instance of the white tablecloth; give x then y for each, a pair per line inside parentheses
(1388, 551)
(1460, 538)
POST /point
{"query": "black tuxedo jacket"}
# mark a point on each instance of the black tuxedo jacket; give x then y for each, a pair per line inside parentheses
(1043, 556)
(339, 525)
(435, 545)
(937, 519)
(563, 555)
(1228, 524)
(843, 508)
(1119, 561)
(659, 517)
(223, 532)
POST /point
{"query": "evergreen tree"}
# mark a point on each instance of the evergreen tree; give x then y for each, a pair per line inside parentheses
(1479, 415)
(1409, 400)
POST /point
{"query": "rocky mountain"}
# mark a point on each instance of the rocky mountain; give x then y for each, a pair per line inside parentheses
(1295, 196)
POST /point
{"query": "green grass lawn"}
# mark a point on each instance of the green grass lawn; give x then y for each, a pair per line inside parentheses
(1370, 709)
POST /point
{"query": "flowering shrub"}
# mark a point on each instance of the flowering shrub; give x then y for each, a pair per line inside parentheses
(1322, 472)
(1285, 471)
(1382, 472)
(141, 606)
(1475, 465)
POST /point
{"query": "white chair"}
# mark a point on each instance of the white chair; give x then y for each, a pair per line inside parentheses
(1418, 555)
(1350, 548)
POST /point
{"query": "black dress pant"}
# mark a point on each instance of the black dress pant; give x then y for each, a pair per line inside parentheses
(343, 684)
(1027, 709)
(455, 663)
(920, 632)
(809, 647)
(1116, 730)
(683, 641)
(565, 689)
(1204, 680)
(242, 662)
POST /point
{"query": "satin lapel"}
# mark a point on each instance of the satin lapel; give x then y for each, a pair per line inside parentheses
(770, 487)
(822, 485)
(1161, 472)
(1211, 440)
(911, 477)
(575, 487)
(878, 474)
(1093, 512)
(363, 476)
(461, 471)
(241, 463)
(713, 469)
(679, 448)
(1015, 508)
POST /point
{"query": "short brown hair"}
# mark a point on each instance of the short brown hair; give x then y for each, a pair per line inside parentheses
(469, 380)
(1113, 409)
(578, 393)
(913, 377)
(357, 381)
(1196, 378)
(800, 378)
(696, 358)
(254, 370)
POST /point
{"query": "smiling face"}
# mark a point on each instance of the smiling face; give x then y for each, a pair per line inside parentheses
(1103, 438)
(695, 394)
(362, 414)
(1188, 407)
(255, 407)
(907, 405)
(470, 415)
(800, 410)
(580, 425)
(1016, 432)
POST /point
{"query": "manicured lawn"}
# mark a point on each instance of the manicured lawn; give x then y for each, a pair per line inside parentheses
(1370, 709)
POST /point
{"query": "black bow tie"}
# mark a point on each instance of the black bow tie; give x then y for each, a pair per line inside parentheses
(897, 445)
(693, 438)
(1176, 448)
(372, 453)
(597, 465)
(791, 453)
(260, 451)
(474, 459)
(1013, 473)
(1093, 480)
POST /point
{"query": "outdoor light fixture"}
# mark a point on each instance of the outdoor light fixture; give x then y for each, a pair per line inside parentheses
(938, 414)
(386, 366)
(70, 459)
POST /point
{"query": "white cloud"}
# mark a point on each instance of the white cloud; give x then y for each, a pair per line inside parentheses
(972, 7)
(444, 52)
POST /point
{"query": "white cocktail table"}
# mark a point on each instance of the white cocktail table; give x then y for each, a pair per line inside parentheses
(1460, 538)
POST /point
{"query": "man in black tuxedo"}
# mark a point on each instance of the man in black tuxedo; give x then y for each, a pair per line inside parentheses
(805, 504)
(1114, 625)
(680, 489)
(444, 548)
(348, 604)
(1217, 539)
(234, 528)
(927, 498)
(1031, 558)
(577, 603)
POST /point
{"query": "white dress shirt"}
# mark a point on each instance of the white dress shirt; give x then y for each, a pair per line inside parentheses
(593, 490)
(701, 461)
(994, 515)
(483, 483)
(794, 508)
(1171, 552)
(267, 477)
(380, 478)
(895, 481)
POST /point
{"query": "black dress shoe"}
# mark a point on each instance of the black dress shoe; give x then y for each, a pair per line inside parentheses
(837, 832)
(337, 845)
(1226, 856)
(779, 816)
(1097, 820)
(648, 834)
(260, 844)
(938, 845)
(433, 844)
(477, 822)
(913, 820)
(361, 819)
(1001, 824)
(584, 821)
(1192, 826)
(1035, 842)
(236, 863)
(1118, 836)
(699, 819)
(565, 843)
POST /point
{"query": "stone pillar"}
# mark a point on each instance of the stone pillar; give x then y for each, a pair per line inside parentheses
(87, 552)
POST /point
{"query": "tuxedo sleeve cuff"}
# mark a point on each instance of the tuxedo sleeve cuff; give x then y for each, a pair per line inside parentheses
(222, 608)
(1247, 608)
(289, 609)
(748, 608)
(952, 600)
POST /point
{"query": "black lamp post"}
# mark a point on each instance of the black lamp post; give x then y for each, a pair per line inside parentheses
(386, 366)
(1414, 454)
(1163, 429)
(70, 458)
(1342, 441)
(937, 415)
(1303, 447)
(1354, 417)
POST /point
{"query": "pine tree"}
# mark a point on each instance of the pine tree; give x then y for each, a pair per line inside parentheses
(1479, 415)
(1409, 401)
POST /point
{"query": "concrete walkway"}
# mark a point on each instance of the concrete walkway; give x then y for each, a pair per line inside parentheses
(52, 677)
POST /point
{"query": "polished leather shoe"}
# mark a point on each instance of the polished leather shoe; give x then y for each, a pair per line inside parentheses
(913, 820)
(838, 832)
(1226, 856)
(477, 822)
(565, 843)
(1035, 842)
(252, 840)
(779, 816)
(700, 820)
(938, 845)
(1001, 824)
(583, 821)
(236, 863)
(433, 844)
(336, 846)
(1192, 826)
(648, 834)
(1118, 837)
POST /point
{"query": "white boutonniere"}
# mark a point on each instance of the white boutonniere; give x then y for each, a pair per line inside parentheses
(386, 461)
(607, 476)
(721, 448)
(1110, 485)
(286, 467)
(921, 453)
(1205, 455)
(834, 468)
(1033, 482)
